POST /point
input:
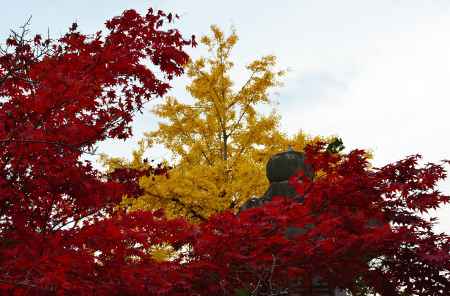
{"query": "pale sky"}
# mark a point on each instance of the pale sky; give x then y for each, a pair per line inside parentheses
(375, 73)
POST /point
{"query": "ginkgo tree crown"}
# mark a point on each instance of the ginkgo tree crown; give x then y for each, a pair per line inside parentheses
(220, 142)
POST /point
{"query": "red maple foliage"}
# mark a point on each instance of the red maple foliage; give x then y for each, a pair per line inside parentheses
(62, 234)
(359, 227)
(58, 99)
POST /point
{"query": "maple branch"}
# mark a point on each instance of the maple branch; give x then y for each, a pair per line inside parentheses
(272, 268)
(56, 143)
(75, 221)
(38, 52)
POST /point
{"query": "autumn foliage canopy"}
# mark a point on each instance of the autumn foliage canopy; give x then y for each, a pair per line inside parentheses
(61, 232)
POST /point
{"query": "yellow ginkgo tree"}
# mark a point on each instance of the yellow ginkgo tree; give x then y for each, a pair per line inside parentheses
(220, 142)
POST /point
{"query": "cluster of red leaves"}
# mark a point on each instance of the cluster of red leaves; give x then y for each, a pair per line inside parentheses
(357, 224)
(60, 232)
(58, 98)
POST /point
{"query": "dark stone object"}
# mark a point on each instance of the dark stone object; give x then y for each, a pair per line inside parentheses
(279, 169)
(283, 165)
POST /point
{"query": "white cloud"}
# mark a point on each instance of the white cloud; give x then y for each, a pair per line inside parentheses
(397, 103)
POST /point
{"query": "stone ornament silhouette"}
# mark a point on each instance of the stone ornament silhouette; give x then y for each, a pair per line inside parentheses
(280, 168)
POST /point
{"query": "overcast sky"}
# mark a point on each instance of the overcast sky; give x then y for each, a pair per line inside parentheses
(376, 73)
